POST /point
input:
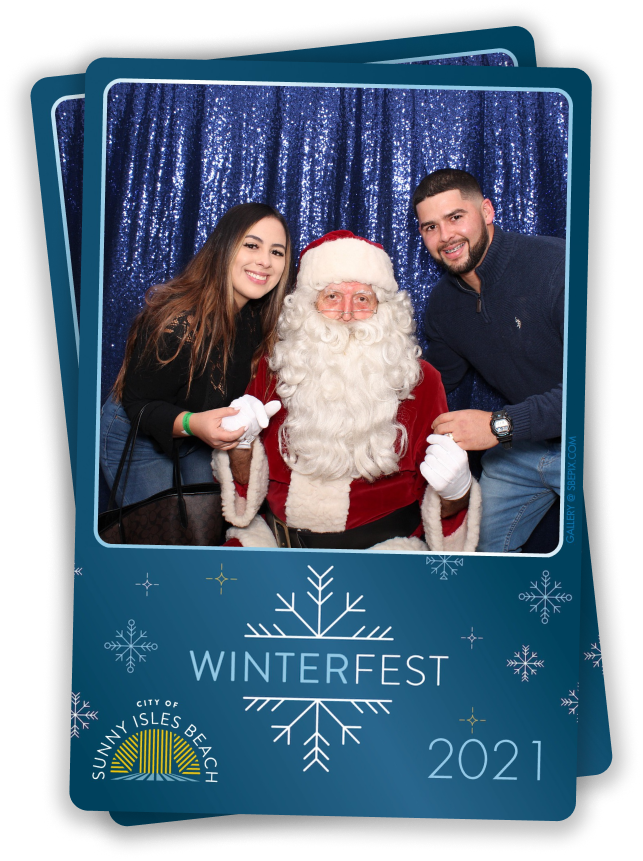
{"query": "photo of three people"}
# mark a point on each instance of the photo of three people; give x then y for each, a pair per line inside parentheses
(344, 291)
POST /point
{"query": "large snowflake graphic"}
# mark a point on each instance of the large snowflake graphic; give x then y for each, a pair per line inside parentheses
(80, 715)
(571, 702)
(596, 655)
(545, 598)
(317, 708)
(317, 628)
(328, 621)
(445, 565)
(129, 646)
(525, 664)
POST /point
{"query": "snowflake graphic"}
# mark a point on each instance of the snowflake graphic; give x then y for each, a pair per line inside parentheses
(525, 664)
(131, 646)
(317, 708)
(445, 565)
(545, 598)
(596, 655)
(571, 702)
(80, 715)
(318, 629)
(78, 571)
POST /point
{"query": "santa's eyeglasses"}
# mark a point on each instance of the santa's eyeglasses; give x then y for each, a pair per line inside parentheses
(333, 305)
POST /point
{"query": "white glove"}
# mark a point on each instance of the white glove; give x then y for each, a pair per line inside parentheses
(252, 415)
(446, 467)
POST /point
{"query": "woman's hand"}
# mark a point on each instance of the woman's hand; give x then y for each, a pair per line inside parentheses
(207, 427)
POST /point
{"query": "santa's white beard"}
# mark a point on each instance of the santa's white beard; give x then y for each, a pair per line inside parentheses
(342, 384)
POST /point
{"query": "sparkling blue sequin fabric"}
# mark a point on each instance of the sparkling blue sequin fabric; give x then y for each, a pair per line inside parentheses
(179, 155)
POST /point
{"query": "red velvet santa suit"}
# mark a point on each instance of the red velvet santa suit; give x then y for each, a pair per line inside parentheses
(345, 504)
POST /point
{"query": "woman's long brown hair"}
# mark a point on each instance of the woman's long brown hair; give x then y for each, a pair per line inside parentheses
(204, 291)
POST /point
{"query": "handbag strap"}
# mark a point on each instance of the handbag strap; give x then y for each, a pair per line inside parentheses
(183, 513)
(126, 458)
(128, 448)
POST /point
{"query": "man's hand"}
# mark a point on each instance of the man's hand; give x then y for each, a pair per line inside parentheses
(252, 415)
(470, 429)
(446, 467)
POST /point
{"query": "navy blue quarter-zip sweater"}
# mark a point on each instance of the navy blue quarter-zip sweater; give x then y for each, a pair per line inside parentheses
(511, 333)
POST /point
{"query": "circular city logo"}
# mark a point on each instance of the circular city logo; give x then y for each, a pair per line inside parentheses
(155, 743)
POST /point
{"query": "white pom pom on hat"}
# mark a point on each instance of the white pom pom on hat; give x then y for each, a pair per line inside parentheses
(340, 256)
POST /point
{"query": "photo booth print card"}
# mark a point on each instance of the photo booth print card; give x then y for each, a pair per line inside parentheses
(69, 112)
(132, 648)
(594, 752)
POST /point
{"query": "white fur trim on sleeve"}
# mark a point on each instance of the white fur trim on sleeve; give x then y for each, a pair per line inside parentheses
(236, 509)
(321, 506)
(466, 536)
(257, 534)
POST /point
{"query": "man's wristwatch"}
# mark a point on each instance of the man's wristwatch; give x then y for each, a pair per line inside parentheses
(502, 427)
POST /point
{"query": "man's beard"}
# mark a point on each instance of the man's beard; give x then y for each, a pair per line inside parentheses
(476, 253)
(342, 384)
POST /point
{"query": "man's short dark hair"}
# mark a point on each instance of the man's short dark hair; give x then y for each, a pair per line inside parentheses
(447, 179)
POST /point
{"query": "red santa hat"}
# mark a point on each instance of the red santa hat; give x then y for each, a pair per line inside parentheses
(341, 256)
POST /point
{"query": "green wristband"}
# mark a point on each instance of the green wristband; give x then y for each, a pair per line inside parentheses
(186, 424)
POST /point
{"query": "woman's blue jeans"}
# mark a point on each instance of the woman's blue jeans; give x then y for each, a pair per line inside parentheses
(518, 486)
(151, 470)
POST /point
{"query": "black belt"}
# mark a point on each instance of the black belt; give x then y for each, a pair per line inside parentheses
(400, 523)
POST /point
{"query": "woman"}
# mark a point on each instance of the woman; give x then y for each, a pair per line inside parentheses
(193, 348)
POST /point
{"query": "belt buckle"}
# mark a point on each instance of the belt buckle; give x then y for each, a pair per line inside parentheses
(278, 525)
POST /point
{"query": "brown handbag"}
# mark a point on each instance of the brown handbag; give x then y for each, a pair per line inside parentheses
(181, 515)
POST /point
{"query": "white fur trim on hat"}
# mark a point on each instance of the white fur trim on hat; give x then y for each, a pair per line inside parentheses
(347, 259)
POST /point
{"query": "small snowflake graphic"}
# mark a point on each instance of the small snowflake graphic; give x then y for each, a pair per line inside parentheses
(78, 571)
(545, 598)
(80, 715)
(445, 565)
(525, 663)
(571, 702)
(596, 655)
(131, 646)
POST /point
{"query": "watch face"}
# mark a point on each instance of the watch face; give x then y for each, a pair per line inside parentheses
(501, 426)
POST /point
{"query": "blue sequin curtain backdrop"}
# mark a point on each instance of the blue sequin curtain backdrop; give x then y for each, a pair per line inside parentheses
(179, 155)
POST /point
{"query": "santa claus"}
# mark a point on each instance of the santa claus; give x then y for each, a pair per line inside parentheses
(344, 463)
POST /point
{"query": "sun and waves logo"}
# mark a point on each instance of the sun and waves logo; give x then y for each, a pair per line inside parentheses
(155, 754)
(155, 745)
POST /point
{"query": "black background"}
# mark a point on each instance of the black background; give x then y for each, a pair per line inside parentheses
(39, 516)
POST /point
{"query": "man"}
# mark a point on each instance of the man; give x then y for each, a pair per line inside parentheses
(344, 463)
(499, 308)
